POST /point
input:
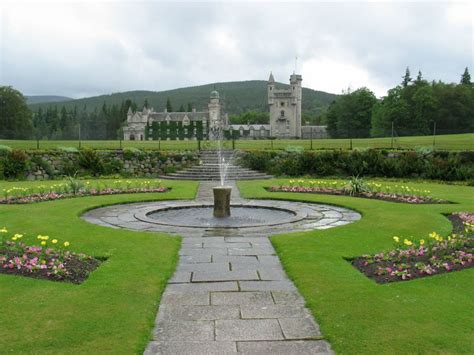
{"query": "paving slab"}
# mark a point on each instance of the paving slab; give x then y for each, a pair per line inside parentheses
(188, 313)
(185, 330)
(299, 328)
(314, 347)
(188, 347)
(267, 286)
(242, 298)
(204, 276)
(248, 329)
(183, 299)
(251, 311)
(202, 286)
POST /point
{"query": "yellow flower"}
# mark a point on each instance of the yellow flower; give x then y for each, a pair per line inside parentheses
(14, 238)
(396, 239)
(39, 236)
(54, 241)
(422, 242)
(43, 243)
(4, 230)
(407, 242)
(66, 244)
(45, 237)
(19, 236)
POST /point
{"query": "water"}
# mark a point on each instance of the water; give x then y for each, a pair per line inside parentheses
(203, 217)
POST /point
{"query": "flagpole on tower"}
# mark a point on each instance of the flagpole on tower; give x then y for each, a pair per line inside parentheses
(296, 63)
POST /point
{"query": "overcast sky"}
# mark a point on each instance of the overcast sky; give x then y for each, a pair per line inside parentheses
(87, 48)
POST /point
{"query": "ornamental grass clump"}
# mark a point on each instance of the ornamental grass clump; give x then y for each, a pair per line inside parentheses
(412, 259)
(51, 259)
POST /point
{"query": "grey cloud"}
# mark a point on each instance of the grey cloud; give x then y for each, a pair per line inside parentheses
(159, 46)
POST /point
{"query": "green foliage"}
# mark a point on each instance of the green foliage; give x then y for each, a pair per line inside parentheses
(74, 185)
(371, 162)
(251, 117)
(15, 116)
(14, 164)
(91, 161)
(466, 78)
(356, 185)
(131, 153)
(350, 115)
(4, 150)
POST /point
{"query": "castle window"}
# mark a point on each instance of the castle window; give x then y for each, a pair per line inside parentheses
(282, 104)
(282, 113)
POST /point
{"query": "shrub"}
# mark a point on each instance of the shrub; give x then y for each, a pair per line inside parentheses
(4, 150)
(436, 165)
(14, 164)
(91, 161)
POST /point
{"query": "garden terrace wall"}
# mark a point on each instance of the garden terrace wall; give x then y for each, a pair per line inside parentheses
(45, 165)
(450, 166)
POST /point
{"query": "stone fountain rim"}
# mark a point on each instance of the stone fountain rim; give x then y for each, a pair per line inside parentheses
(142, 215)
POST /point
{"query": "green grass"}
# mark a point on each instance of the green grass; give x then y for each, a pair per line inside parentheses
(430, 315)
(443, 142)
(111, 312)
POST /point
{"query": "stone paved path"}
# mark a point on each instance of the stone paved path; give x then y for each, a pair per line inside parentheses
(230, 294)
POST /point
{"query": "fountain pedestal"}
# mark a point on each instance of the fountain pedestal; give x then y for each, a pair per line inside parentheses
(222, 201)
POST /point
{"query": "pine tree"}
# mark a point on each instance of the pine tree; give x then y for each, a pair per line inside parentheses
(181, 108)
(466, 77)
(145, 104)
(406, 78)
(419, 77)
(169, 108)
(190, 107)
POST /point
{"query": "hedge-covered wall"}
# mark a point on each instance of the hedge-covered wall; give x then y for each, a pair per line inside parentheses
(44, 165)
(448, 166)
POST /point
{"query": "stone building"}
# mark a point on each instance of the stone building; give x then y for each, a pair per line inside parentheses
(285, 119)
(151, 125)
(285, 108)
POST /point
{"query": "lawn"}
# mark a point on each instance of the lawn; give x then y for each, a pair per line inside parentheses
(442, 142)
(113, 311)
(428, 315)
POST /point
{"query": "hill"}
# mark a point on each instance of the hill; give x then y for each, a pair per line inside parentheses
(239, 97)
(37, 99)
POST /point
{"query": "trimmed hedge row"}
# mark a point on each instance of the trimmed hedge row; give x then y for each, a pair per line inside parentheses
(449, 166)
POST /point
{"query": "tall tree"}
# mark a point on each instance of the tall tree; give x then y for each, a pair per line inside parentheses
(145, 104)
(190, 107)
(15, 116)
(466, 77)
(169, 107)
(181, 108)
(406, 78)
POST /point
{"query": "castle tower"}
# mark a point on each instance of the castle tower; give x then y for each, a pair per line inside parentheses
(285, 108)
(215, 122)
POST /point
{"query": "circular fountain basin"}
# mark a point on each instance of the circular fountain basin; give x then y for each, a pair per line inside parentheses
(242, 216)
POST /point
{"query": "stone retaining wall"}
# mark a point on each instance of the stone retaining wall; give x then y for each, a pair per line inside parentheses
(53, 164)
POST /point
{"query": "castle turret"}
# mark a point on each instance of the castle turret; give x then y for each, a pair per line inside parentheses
(270, 88)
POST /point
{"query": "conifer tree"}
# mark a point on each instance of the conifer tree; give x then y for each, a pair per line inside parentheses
(406, 78)
(466, 77)
(169, 108)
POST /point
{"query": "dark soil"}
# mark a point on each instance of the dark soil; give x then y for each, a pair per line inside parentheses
(370, 269)
(78, 269)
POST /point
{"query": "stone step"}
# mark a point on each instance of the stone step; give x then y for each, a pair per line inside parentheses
(204, 178)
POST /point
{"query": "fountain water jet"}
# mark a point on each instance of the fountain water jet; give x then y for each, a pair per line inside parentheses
(221, 193)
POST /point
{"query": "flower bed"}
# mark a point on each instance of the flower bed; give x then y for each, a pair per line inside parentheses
(359, 188)
(410, 260)
(76, 188)
(42, 262)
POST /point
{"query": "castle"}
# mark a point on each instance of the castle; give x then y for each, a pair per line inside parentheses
(285, 119)
(151, 125)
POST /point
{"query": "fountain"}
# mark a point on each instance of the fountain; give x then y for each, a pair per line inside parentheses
(221, 193)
